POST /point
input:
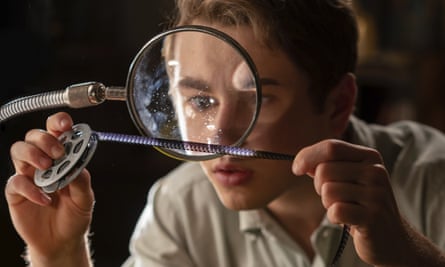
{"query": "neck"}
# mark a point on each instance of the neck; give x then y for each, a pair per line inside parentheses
(299, 211)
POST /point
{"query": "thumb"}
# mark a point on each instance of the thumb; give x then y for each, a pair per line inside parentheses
(304, 162)
(81, 192)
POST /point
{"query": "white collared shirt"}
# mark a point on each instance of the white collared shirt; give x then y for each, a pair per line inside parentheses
(184, 223)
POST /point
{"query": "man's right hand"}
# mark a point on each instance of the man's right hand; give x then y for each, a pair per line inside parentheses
(55, 226)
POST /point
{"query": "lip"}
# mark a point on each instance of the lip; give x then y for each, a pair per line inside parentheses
(230, 175)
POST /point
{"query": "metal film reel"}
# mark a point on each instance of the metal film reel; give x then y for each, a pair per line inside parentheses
(80, 144)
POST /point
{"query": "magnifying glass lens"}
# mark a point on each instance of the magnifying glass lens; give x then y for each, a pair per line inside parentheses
(194, 84)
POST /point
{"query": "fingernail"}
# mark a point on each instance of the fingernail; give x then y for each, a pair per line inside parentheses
(45, 162)
(57, 152)
(64, 123)
(45, 198)
(296, 169)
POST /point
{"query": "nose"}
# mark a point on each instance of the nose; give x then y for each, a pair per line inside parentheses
(231, 122)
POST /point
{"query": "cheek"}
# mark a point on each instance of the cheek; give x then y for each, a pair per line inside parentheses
(288, 134)
(275, 173)
(287, 124)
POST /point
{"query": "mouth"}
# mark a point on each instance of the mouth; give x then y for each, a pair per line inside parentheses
(230, 175)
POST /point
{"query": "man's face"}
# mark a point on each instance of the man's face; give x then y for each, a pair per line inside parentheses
(287, 122)
(212, 87)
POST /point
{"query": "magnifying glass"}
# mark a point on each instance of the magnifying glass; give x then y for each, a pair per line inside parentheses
(194, 84)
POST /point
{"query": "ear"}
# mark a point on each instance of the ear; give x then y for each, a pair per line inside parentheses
(341, 104)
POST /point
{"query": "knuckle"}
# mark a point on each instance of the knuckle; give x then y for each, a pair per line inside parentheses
(54, 121)
(13, 183)
(326, 172)
(332, 147)
(328, 189)
(327, 195)
(374, 156)
(380, 170)
(41, 139)
(25, 155)
(335, 213)
(377, 173)
(14, 148)
(35, 134)
(57, 116)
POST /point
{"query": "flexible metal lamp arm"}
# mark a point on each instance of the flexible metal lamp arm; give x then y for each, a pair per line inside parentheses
(75, 96)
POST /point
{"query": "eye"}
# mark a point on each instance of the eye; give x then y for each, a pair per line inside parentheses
(202, 103)
(267, 98)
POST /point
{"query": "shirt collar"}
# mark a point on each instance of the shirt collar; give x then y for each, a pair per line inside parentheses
(325, 238)
(252, 221)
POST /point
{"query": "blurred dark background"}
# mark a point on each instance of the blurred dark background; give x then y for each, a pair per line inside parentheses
(48, 45)
(402, 61)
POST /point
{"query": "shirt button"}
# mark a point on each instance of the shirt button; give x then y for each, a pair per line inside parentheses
(326, 233)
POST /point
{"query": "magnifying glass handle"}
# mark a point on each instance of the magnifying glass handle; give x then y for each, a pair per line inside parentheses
(192, 146)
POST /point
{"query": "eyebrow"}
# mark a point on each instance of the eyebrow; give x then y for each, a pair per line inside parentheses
(192, 83)
(268, 81)
(199, 84)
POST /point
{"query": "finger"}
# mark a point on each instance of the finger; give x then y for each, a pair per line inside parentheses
(20, 188)
(365, 196)
(59, 123)
(350, 172)
(81, 192)
(364, 214)
(347, 213)
(333, 192)
(308, 158)
(26, 157)
(45, 142)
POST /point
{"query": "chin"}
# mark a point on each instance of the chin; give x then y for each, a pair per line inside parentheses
(241, 201)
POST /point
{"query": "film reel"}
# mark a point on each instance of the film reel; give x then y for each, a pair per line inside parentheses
(80, 144)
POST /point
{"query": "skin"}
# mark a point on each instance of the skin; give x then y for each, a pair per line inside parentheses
(347, 182)
(62, 218)
(286, 124)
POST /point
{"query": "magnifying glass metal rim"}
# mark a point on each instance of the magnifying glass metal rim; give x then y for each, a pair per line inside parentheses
(191, 28)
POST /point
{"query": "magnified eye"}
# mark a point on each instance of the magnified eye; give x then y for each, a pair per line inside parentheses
(267, 99)
(202, 103)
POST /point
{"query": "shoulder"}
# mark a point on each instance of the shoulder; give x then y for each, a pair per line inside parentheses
(405, 144)
(413, 153)
(421, 161)
(419, 179)
(188, 178)
(176, 200)
(424, 141)
(168, 231)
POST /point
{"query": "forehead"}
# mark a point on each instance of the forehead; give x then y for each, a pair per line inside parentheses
(270, 61)
(195, 46)
(202, 58)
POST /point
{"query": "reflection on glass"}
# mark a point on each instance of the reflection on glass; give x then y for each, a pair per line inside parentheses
(194, 86)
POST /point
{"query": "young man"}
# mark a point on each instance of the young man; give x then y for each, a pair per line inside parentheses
(384, 182)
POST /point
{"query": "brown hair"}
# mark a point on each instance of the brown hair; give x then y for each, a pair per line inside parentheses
(320, 36)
